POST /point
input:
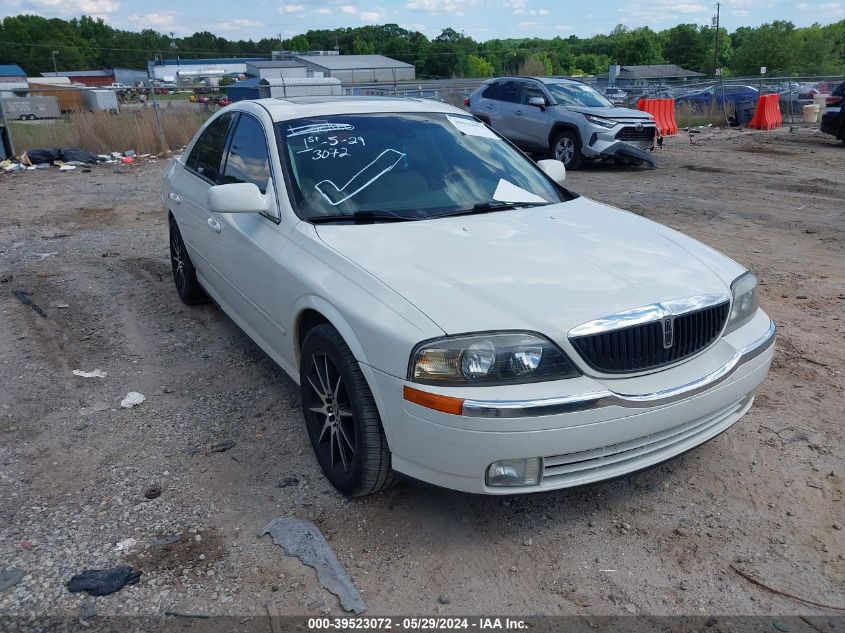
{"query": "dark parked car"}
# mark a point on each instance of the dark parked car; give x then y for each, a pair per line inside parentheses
(717, 95)
(833, 121)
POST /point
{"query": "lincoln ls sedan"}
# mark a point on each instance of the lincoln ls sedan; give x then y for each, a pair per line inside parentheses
(450, 311)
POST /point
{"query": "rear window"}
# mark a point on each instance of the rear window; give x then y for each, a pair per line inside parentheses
(840, 90)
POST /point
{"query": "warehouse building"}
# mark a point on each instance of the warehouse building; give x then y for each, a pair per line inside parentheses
(199, 70)
(276, 70)
(12, 81)
(357, 68)
(103, 77)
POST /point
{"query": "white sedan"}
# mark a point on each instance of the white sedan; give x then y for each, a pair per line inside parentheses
(449, 310)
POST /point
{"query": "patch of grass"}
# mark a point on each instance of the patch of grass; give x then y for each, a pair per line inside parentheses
(693, 115)
(101, 132)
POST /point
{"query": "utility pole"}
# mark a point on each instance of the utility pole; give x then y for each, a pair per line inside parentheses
(716, 44)
(55, 70)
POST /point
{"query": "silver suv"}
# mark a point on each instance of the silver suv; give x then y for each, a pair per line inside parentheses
(565, 119)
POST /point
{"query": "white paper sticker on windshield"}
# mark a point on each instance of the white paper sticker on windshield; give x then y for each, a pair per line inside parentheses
(509, 192)
(471, 128)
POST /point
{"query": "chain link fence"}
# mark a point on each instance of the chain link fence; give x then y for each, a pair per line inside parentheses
(158, 120)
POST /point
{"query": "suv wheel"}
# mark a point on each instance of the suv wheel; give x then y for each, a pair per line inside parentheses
(341, 415)
(567, 149)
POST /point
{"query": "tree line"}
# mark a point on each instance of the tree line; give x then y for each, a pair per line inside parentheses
(90, 43)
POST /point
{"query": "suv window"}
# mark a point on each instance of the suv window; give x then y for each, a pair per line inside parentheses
(248, 159)
(529, 92)
(492, 91)
(509, 91)
(207, 154)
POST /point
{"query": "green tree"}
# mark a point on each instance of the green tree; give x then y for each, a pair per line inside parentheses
(299, 43)
(479, 67)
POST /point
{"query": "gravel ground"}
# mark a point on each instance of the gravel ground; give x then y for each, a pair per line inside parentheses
(89, 246)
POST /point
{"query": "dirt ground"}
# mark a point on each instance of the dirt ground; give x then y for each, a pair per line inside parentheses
(90, 248)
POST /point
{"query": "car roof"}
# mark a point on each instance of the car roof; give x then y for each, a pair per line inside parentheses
(545, 80)
(285, 109)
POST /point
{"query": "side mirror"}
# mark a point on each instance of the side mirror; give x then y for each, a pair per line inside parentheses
(238, 197)
(540, 102)
(554, 169)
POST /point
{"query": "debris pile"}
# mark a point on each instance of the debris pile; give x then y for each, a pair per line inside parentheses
(68, 159)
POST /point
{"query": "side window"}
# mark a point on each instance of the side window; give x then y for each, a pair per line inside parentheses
(529, 92)
(248, 160)
(509, 91)
(207, 154)
(492, 91)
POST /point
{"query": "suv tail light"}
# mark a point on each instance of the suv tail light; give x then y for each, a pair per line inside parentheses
(833, 101)
(466, 102)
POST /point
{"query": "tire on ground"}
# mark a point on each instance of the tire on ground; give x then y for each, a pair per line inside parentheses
(573, 137)
(369, 471)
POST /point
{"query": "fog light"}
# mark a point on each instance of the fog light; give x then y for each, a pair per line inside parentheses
(514, 472)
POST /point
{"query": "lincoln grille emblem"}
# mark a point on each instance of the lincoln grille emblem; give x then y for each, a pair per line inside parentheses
(668, 332)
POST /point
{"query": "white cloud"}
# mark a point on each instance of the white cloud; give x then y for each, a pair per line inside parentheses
(237, 24)
(165, 21)
(543, 12)
(369, 16)
(740, 13)
(347, 8)
(323, 11)
(88, 7)
(564, 28)
(292, 8)
(440, 6)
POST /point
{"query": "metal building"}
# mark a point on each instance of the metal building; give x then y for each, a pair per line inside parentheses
(357, 68)
(276, 69)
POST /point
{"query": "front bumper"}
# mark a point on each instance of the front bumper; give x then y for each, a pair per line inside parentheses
(610, 428)
(626, 140)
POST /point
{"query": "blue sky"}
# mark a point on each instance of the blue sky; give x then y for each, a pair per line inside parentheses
(481, 19)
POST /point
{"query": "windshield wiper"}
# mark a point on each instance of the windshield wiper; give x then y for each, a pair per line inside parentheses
(491, 205)
(360, 217)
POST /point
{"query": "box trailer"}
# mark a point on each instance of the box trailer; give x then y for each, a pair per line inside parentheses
(101, 100)
(69, 97)
(300, 87)
(31, 108)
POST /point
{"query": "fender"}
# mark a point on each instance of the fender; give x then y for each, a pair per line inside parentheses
(335, 317)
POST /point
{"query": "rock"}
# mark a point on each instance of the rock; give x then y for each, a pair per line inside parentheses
(513, 569)
(10, 577)
(684, 585)
(528, 542)
(444, 599)
(630, 608)
(681, 531)
(710, 622)
(591, 524)
(87, 611)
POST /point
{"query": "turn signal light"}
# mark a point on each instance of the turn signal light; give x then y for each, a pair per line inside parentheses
(446, 404)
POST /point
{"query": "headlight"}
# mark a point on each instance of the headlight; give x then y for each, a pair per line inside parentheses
(485, 359)
(602, 122)
(744, 304)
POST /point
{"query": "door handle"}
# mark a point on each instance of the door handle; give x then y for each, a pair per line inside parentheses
(518, 113)
(214, 224)
(175, 197)
(489, 107)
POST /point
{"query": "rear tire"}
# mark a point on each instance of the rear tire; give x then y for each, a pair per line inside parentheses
(341, 416)
(184, 273)
(567, 149)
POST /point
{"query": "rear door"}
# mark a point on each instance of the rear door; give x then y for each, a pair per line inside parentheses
(500, 106)
(187, 200)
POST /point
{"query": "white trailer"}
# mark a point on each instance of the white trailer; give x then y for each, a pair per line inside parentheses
(31, 108)
(300, 87)
(101, 100)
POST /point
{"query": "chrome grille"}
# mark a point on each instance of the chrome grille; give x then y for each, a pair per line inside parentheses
(632, 133)
(642, 347)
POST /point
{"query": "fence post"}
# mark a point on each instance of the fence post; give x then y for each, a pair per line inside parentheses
(8, 129)
(158, 122)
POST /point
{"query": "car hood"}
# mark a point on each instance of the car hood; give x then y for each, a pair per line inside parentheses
(612, 113)
(543, 269)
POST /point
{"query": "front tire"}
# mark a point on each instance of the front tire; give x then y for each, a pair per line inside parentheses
(341, 416)
(567, 149)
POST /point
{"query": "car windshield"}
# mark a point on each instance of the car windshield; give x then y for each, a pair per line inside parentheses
(406, 166)
(576, 94)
